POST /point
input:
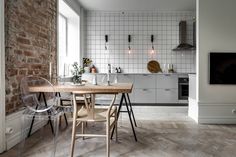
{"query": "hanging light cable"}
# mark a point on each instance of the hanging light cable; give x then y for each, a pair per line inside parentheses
(152, 39)
(129, 40)
(106, 41)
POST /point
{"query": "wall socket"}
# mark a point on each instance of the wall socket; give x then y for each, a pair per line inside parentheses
(234, 111)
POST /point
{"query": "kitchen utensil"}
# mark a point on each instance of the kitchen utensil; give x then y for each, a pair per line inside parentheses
(153, 66)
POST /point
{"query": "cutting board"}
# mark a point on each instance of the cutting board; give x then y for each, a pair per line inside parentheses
(154, 66)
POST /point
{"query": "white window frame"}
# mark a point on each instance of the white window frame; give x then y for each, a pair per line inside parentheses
(65, 18)
(68, 37)
(2, 81)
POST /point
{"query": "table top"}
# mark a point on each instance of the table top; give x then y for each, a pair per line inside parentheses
(87, 88)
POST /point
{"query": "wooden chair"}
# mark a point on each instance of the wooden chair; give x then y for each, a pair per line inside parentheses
(90, 113)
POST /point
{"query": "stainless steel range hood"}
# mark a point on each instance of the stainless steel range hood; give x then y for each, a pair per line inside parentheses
(183, 45)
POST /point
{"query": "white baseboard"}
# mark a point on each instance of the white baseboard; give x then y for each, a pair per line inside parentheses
(13, 121)
(212, 113)
(216, 113)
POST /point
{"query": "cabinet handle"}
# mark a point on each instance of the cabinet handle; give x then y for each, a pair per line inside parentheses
(167, 74)
(145, 75)
(167, 89)
(145, 90)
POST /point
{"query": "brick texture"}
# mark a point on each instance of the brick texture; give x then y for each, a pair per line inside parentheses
(30, 38)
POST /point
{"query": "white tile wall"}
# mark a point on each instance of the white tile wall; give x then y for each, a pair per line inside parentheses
(140, 25)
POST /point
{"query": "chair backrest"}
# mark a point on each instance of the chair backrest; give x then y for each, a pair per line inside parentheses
(37, 101)
(90, 106)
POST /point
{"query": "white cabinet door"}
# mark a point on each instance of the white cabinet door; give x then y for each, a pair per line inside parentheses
(166, 95)
(167, 81)
(145, 95)
(146, 81)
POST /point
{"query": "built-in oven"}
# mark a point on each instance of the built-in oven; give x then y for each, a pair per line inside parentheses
(183, 88)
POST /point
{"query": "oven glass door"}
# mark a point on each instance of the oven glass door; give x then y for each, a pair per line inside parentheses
(183, 91)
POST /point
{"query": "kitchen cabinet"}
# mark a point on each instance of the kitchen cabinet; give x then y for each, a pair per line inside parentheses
(167, 88)
(167, 81)
(148, 88)
(125, 78)
(145, 81)
(144, 95)
(167, 95)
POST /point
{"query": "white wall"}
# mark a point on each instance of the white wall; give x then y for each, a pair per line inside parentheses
(217, 32)
(140, 25)
(2, 79)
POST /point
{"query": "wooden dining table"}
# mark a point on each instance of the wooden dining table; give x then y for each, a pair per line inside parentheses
(117, 88)
(87, 87)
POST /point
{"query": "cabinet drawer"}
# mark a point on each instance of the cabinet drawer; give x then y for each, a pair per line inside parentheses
(166, 95)
(144, 81)
(167, 81)
(125, 78)
(144, 95)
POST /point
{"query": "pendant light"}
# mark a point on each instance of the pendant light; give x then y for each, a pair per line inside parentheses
(106, 41)
(152, 40)
(129, 40)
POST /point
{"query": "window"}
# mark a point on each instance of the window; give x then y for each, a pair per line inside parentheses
(68, 39)
(63, 35)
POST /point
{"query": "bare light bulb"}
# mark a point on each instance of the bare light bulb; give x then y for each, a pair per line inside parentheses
(129, 50)
(152, 52)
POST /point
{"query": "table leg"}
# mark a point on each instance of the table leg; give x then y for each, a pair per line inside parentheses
(118, 113)
(49, 117)
(131, 122)
(59, 94)
(129, 113)
(32, 122)
(131, 109)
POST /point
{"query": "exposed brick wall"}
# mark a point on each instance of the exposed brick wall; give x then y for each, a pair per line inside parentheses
(30, 27)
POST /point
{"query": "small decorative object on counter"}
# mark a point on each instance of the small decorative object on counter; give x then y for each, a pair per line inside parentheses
(116, 79)
(93, 69)
(95, 79)
(119, 70)
(77, 73)
(164, 70)
(116, 70)
(171, 68)
(86, 64)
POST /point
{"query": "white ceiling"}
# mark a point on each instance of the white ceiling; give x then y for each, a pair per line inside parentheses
(138, 5)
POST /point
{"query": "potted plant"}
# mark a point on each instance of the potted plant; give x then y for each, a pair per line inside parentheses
(86, 64)
(77, 73)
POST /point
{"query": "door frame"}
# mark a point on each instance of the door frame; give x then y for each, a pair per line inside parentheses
(2, 80)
